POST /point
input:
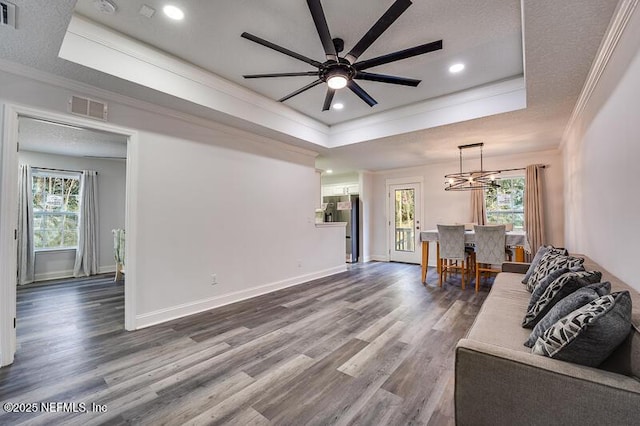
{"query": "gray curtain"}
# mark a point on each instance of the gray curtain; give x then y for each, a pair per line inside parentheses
(87, 253)
(26, 250)
(534, 208)
(478, 209)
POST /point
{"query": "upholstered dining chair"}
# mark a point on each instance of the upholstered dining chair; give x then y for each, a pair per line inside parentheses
(452, 251)
(490, 243)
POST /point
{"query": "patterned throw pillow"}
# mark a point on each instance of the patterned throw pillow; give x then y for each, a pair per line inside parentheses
(561, 287)
(536, 259)
(589, 334)
(550, 262)
(543, 284)
(575, 300)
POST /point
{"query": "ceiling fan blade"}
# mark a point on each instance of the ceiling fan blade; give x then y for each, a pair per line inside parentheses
(323, 29)
(401, 54)
(378, 28)
(297, 92)
(280, 49)
(361, 93)
(328, 99)
(361, 75)
(283, 74)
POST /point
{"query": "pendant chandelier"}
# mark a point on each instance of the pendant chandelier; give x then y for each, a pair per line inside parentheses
(470, 180)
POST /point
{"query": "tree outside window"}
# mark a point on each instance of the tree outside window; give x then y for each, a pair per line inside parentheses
(56, 204)
(506, 204)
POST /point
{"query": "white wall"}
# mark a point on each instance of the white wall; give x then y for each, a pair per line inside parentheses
(601, 163)
(440, 206)
(210, 199)
(111, 210)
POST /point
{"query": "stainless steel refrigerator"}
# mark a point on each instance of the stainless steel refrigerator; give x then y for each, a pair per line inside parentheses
(346, 208)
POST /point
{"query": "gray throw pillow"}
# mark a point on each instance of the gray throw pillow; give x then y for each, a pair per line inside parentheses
(589, 334)
(536, 259)
(551, 261)
(561, 287)
(575, 300)
(544, 283)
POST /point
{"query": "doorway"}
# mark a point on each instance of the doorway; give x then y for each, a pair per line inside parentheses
(9, 214)
(405, 216)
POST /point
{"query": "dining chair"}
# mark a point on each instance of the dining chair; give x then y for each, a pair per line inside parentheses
(490, 249)
(452, 251)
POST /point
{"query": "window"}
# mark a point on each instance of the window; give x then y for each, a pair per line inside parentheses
(506, 204)
(56, 202)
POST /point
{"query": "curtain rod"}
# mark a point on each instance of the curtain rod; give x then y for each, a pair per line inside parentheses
(58, 170)
(520, 168)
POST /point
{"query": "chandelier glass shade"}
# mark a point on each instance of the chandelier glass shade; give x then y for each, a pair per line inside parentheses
(473, 179)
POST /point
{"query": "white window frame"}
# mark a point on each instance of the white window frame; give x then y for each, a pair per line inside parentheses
(41, 172)
(508, 177)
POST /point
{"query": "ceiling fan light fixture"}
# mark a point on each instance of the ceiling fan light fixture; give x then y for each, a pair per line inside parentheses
(337, 82)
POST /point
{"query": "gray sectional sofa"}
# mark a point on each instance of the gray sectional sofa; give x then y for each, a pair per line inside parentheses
(498, 381)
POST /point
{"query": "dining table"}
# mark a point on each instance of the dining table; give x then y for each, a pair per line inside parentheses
(515, 239)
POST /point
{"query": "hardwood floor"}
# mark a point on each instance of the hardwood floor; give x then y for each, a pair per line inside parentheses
(369, 346)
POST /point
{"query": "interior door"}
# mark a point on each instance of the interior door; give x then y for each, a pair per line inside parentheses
(404, 222)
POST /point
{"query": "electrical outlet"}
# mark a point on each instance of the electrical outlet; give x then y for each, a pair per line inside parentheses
(214, 279)
(299, 262)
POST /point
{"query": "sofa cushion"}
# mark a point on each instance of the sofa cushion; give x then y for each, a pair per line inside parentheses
(536, 259)
(564, 307)
(561, 287)
(589, 334)
(552, 261)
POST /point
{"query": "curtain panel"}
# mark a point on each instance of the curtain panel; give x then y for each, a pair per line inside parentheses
(478, 209)
(86, 263)
(534, 209)
(26, 249)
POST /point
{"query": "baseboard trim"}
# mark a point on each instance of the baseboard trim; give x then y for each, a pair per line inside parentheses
(58, 275)
(54, 275)
(186, 309)
(379, 258)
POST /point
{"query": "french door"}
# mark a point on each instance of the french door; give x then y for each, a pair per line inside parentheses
(404, 222)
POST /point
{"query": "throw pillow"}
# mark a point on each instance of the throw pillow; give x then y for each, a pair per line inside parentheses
(543, 284)
(536, 259)
(561, 287)
(589, 334)
(575, 300)
(552, 261)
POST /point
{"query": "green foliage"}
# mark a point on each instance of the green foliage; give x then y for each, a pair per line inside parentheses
(56, 202)
(506, 204)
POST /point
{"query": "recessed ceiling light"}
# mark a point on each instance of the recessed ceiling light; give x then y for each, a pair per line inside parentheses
(329, 171)
(338, 106)
(105, 6)
(173, 12)
(456, 68)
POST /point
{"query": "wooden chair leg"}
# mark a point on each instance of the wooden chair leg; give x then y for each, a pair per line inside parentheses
(462, 274)
(440, 267)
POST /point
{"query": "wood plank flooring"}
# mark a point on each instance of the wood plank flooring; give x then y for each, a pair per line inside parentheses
(370, 346)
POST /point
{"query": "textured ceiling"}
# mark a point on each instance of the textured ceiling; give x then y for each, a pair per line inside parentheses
(50, 138)
(560, 42)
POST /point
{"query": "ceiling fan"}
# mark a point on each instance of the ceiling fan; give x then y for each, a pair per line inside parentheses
(339, 72)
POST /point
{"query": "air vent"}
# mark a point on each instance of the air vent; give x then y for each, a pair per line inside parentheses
(7, 14)
(88, 108)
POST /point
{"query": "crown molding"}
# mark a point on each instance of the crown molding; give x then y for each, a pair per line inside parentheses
(105, 95)
(618, 24)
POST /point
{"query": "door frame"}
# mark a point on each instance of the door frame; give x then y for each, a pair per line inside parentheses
(9, 216)
(412, 180)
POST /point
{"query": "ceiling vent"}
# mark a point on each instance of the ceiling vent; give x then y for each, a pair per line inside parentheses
(88, 108)
(7, 14)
